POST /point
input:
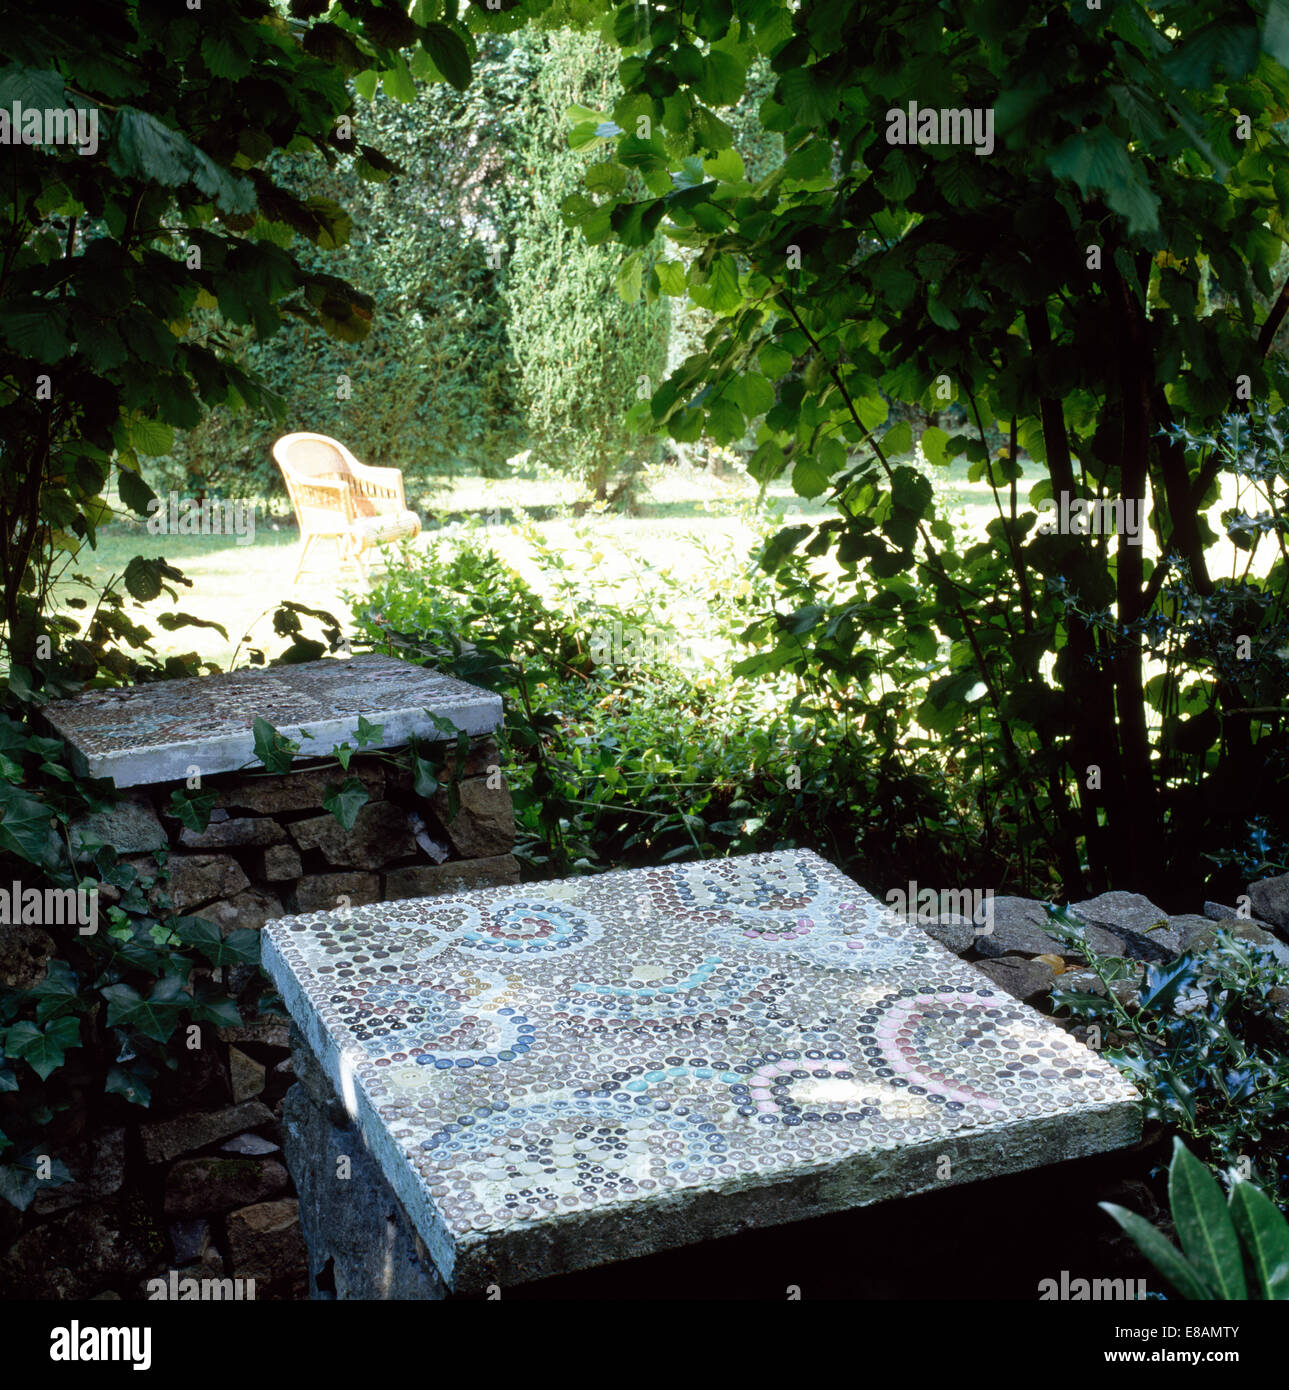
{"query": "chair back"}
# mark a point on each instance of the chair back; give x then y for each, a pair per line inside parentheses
(303, 457)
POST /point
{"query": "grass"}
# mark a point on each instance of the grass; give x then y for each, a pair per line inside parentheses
(683, 518)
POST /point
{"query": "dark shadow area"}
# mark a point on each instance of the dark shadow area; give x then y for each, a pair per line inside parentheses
(984, 1241)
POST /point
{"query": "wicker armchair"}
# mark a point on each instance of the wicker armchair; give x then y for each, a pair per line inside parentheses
(336, 497)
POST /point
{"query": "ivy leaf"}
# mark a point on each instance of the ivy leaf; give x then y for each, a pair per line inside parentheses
(154, 1017)
(24, 823)
(424, 781)
(217, 1008)
(344, 802)
(58, 991)
(192, 808)
(369, 735)
(43, 1050)
(19, 1183)
(132, 1083)
(240, 947)
(273, 749)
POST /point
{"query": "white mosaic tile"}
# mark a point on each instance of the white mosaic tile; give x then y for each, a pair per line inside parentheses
(569, 1073)
(143, 734)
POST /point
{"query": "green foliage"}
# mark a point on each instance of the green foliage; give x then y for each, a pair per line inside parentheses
(621, 753)
(432, 388)
(588, 352)
(497, 328)
(1054, 287)
(1237, 1248)
(1204, 1039)
(96, 1031)
(123, 270)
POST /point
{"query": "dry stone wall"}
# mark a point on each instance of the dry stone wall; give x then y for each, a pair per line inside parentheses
(271, 848)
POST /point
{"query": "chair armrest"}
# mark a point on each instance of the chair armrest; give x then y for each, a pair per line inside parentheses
(335, 494)
(380, 484)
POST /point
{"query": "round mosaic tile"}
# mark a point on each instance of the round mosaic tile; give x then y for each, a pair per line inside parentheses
(528, 925)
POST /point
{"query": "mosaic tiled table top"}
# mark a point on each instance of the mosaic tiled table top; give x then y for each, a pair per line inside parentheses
(570, 1073)
(154, 733)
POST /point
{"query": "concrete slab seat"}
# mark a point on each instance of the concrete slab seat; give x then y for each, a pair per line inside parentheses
(141, 735)
(561, 1075)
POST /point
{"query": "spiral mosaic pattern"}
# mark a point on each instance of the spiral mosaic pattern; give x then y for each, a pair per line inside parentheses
(528, 1055)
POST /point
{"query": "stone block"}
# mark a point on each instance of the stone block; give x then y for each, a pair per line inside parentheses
(1130, 910)
(155, 732)
(207, 1186)
(241, 832)
(272, 1031)
(1242, 930)
(279, 864)
(265, 1244)
(458, 876)
(1021, 978)
(485, 821)
(355, 1228)
(130, 827)
(25, 953)
(302, 790)
(74, 1254)
(250, 1146)
(957, 933)
(196, 879)
(189, 1240)
(323, 892)
(97, 1166)
(380, 835)
(187, 1133)
(1271, 901)
(919, 1056)
(249, 909)
(246, 1073)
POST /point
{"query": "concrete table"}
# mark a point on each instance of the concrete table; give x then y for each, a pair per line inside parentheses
(145, 734)
(558, 1076)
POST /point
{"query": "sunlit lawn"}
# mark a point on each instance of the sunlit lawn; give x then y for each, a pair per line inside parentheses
(683, 518)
